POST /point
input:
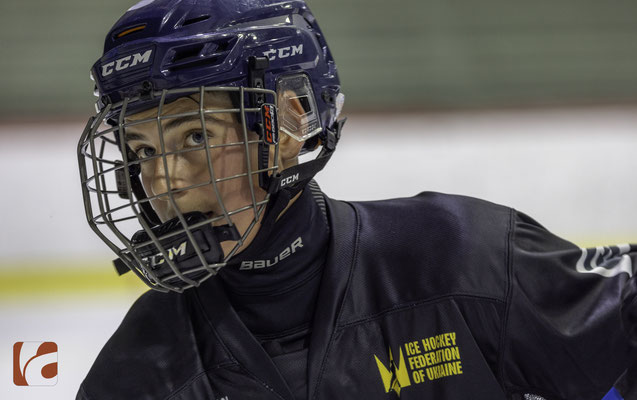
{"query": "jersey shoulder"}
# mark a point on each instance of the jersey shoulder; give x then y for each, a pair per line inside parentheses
(429, 246)
(155, 350)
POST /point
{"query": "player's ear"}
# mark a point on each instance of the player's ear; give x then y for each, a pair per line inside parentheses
(289, 149)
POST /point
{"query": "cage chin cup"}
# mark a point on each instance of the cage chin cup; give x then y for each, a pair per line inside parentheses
(183, 247)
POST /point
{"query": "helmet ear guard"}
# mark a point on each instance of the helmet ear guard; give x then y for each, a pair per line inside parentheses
(298, 117)
(297, 105)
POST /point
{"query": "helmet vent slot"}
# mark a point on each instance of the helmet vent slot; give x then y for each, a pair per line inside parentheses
(187, 52)
(128, 30)
(196, 63)
(191, 21)
(223, 46)
(200, 55)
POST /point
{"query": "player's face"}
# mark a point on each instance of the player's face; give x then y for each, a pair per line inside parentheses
(187, 169)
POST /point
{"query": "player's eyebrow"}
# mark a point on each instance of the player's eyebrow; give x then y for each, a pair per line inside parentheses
(177, 122)
(172, 124)
(131, 136)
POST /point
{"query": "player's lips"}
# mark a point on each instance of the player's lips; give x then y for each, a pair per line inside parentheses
(178, 192)
(175, 193)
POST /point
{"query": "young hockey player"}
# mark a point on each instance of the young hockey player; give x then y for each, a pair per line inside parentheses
(268, 289)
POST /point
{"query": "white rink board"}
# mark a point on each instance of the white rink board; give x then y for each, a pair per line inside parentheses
(573, 170)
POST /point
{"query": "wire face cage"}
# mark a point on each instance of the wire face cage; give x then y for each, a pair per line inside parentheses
(175, 190)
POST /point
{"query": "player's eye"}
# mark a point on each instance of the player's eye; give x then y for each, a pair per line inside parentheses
(145, 152)
(195, 139)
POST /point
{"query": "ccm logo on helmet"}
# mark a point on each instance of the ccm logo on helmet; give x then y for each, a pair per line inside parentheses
(283, 52)
(126, 62)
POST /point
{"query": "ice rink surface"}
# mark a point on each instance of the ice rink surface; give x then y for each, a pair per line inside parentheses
(571, 169)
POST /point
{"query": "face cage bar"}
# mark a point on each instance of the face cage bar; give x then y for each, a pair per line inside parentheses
(129, 254)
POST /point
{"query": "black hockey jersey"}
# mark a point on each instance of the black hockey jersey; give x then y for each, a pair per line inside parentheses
(430, 297)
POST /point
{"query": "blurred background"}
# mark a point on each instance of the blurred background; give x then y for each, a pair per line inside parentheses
(529, 104)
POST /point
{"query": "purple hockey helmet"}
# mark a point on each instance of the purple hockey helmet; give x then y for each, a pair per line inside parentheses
(269, 57)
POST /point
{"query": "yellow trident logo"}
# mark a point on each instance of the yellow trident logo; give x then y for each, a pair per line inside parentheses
(395, 377)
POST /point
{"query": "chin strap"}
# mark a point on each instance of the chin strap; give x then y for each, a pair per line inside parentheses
(295, 178)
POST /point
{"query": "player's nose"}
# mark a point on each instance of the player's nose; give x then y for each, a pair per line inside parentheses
(169, 173)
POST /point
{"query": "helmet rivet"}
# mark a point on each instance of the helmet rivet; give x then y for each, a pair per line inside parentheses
(327, 97)
(147, 86)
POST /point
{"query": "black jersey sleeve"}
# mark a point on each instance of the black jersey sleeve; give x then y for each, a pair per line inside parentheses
(564, 337)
